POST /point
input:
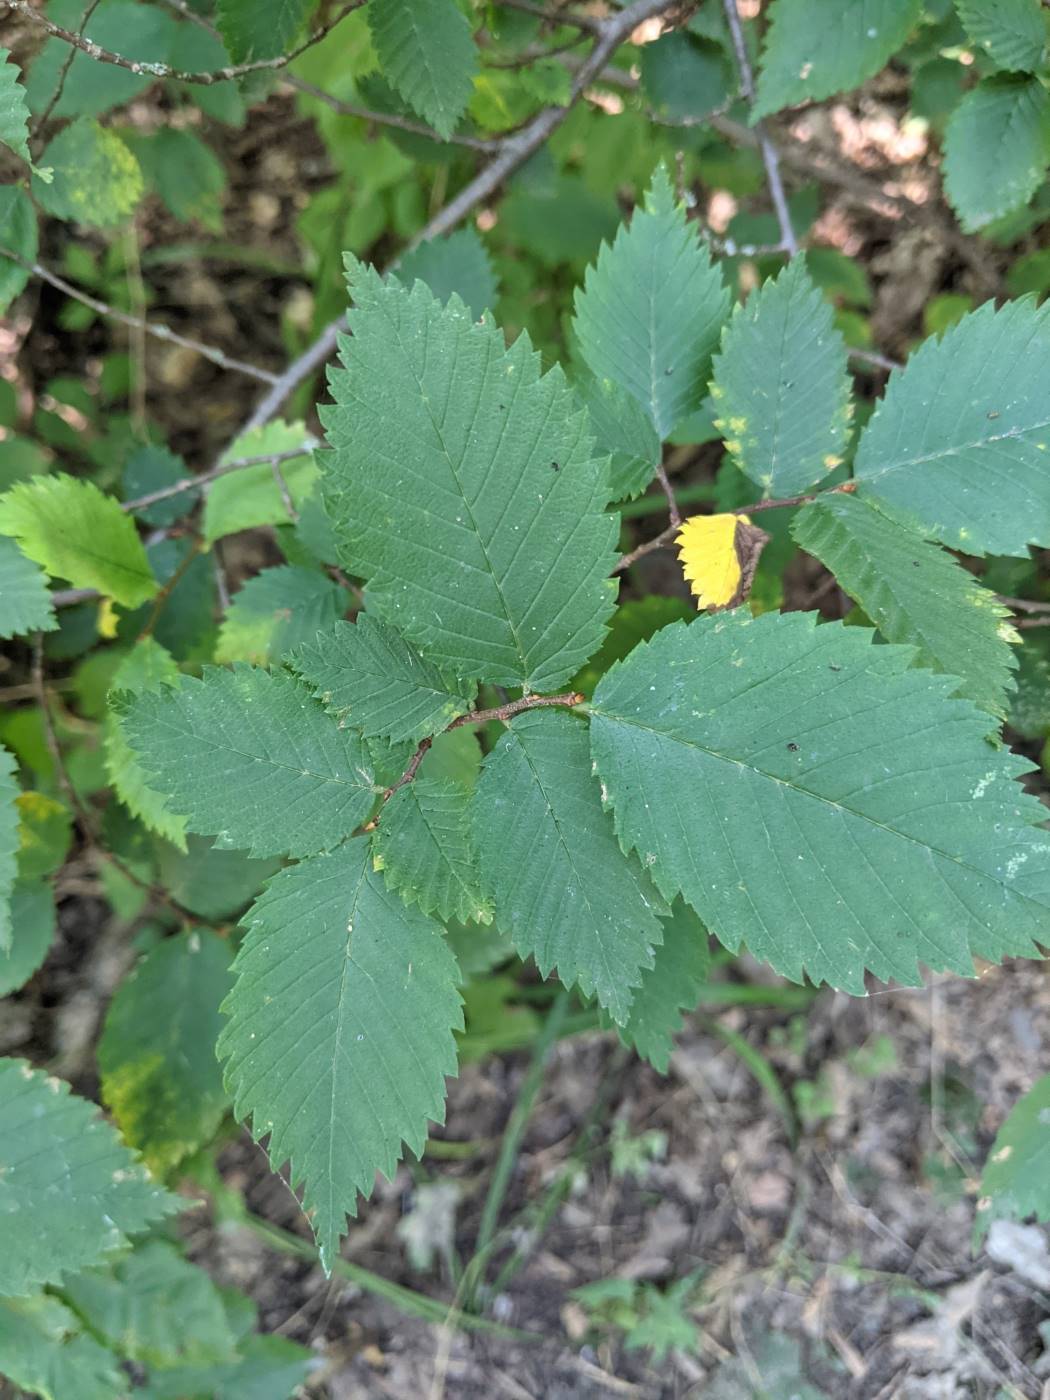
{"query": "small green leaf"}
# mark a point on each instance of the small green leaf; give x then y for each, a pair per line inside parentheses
(340, 1030)
(424, 847)
(95, 179)
(25, 603)
(147, 669)
(160, 1077)
(458, 263)
(45, 1350)
(252, 31)
(961, 441)
(1015, 1182)
(18, 232)
(70, 1191)
(781, 386)
(622, 428)
(996, 148)
(915, 593)
(672, 985)
(32, 932)
(14, 113)
(276, 611)
(301, 783)
(366, 672)
(1011, 32)
(650, 310)
(559, 883)
(251, 496)
(815, 48)
(75, 532)
(427, 52)
(9, 842)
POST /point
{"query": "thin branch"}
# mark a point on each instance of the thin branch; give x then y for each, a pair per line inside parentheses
(514, 151)
(499, 712)
(665, 537)
(766, 148)
(195, 483)
(156, 329)
(63, 73)
(163, 70)
(668, 490)
(1028, 605)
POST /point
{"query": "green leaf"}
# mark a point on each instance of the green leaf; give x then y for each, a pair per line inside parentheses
(340, 1030)
(996, 148)
(423, 846)
(25, 603)
(459, 264)
(426, 51)
(70, 1191)
(961, 441)
(685, 77)
(251, 496)
(211, 882)
(915, 593)
(366, 672)
(633, 622)
(18, 232)
(815, 48)
(14, 113)
(184, 172)
(672, 985)
(9, 841)
(148, 669)
(1011, 32)
(96, 180)
(808, 793)
(45, 832)
(155, 1308)
(32, 931)
(781, 386)
(45, 1351)
(559, 883)
(650, 310)
(75, 532)
(160, 1077)
(252, 31)
(463, 486)
(277, 610)
(151, 468)
(622, 428)
(250, 758)
(1015, 1181)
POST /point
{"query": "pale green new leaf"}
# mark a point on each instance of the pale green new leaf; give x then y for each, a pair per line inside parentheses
(815, 48)
(14, 113)
(672, 985)
(781, 385)
(147, 669)
(75, 532)
(70, 1191)
(651, 309)
(25, 603)
(251, 30)
(996, 148)
(252, 759)
(95, 178)
(424, 847)
(915, 592)
(252, 496)
(367, 673)
(1016, 1180)
(559, 883)
(464, 486)
(1012, 32)
(622, 428)
(820, 799)
(459, 264)
(32, 930)
(961, 441)
(278, 610)
(45, 1351)
(340, 1030)
(9, 842)
(156, 1308)
(160, 1077)
(427, 52)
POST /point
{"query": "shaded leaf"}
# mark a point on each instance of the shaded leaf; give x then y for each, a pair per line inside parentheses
(25, 603)
(672, 985)
(622, 428)
(45, 1350)
(1015, 1182)
(996, 148)
(32, 931)
(18, 232)
(1011, 32)
(459, 264)
(14, 113)
(426, 51)
(719, 555)
(9, 842)
(252, 31)
(423, 846)
(277, 610)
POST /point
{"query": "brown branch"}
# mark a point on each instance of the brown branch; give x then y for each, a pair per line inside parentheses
(163, 70)
(235, 464)
(156, 329)
(766, 148)
(668, 490)
(665, 537)
(498, 712)
(514, 151)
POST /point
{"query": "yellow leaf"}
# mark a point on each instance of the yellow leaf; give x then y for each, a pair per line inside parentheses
(107, 619)
(719, 555)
